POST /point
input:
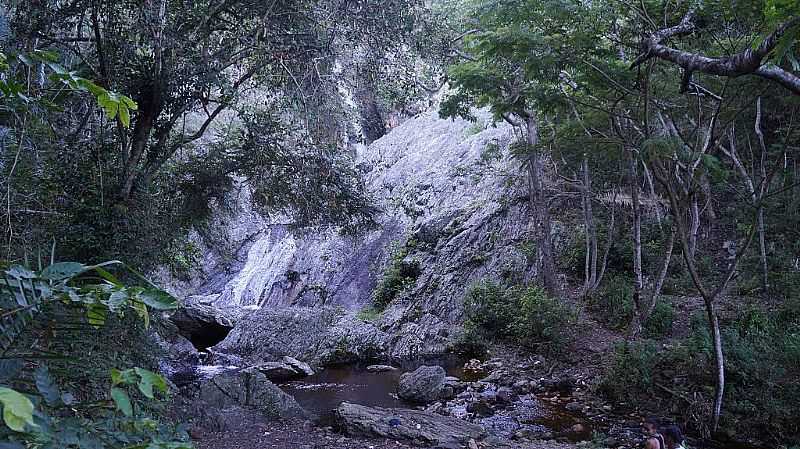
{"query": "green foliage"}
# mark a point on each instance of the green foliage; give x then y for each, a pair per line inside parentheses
(633, 372)
(488, 307)
(24, 292)
(67, 411)
(542, 319)
(17, 409)
(528, 316)
(659, 323)
(762, 359)
(16, 94)
(369, 314)
(613, 303)
(400, 274)
(471, 342)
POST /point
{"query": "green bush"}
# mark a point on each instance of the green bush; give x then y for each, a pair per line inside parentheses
(488, 307)
(631, 375)
(526, 315)
(541, 319)
(58, 349)
(762, 360)
(470, 342)
(659, 323)
(613, 304)
(399, 275)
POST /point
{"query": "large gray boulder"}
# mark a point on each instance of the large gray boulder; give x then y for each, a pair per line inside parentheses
(289, 368)
(424, 385)
(318, 336)
(303, 369)
(249, 388)
(415, 426)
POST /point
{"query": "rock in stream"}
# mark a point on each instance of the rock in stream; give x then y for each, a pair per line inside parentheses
(417, 427)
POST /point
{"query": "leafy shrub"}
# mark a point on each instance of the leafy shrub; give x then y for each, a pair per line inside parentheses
(541, 319)
(470, 342)
(66, 410)
(399, 275)
(659, 323)
(613, 304)
(488, 307)
(631, 375)
(527, 315)
(762, 359)
(368, 314)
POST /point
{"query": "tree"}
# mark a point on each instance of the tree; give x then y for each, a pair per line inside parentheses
(188, 65)
(498, 72)
(177, 57)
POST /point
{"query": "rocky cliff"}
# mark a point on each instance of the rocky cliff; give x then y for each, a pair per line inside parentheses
(453, 208)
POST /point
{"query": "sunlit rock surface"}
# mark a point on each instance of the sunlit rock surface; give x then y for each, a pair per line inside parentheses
(450, 192)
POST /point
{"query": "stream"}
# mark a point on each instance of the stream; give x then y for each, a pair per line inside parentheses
(321, 393)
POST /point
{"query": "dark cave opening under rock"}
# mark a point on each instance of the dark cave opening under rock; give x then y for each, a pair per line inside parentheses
(208, 335)
(202, 332)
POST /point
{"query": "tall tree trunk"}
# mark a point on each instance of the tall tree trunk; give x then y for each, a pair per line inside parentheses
(680, 212)
(636, 324)
(141, 136)
(662, 275)
(590, 268)
(694, 226)
(762, 247)
(541, 212)
(719, 360)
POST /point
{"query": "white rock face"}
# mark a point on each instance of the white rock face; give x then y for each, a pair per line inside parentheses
(448, 188)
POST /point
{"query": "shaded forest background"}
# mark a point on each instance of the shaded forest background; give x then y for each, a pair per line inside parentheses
(663, 133)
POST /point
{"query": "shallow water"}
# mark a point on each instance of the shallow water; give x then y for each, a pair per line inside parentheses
(324, 391)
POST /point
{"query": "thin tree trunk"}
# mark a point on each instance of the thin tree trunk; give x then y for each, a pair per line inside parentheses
(636, 324)
(763, 175)
(694, 226)
(662, 275)
(709, 296)
(590, 269)
(719, 360)
(609, 243)
(540, 208)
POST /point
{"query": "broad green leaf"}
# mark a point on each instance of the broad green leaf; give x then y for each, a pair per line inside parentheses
(46, 385)
(158, 299)
(20, 272)
(25, 59)
(124, 116)
(148, 380)
(63, 270)
(105, 274)
(117, 299)
(122, 401)
(96, 314)
(124, 377)
(142, 311)
(17, 409)
(45, 55)
(127, 101)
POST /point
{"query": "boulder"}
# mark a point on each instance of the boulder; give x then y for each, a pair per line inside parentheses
(380, 368)
(480, 408)
(414, 426)
(424, 385)
(278, 371)
(302, 368)
(251, 389)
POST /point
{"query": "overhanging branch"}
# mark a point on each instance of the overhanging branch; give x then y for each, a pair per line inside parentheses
(748, 62)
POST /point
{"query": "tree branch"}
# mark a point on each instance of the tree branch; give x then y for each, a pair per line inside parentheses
(747, 62)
